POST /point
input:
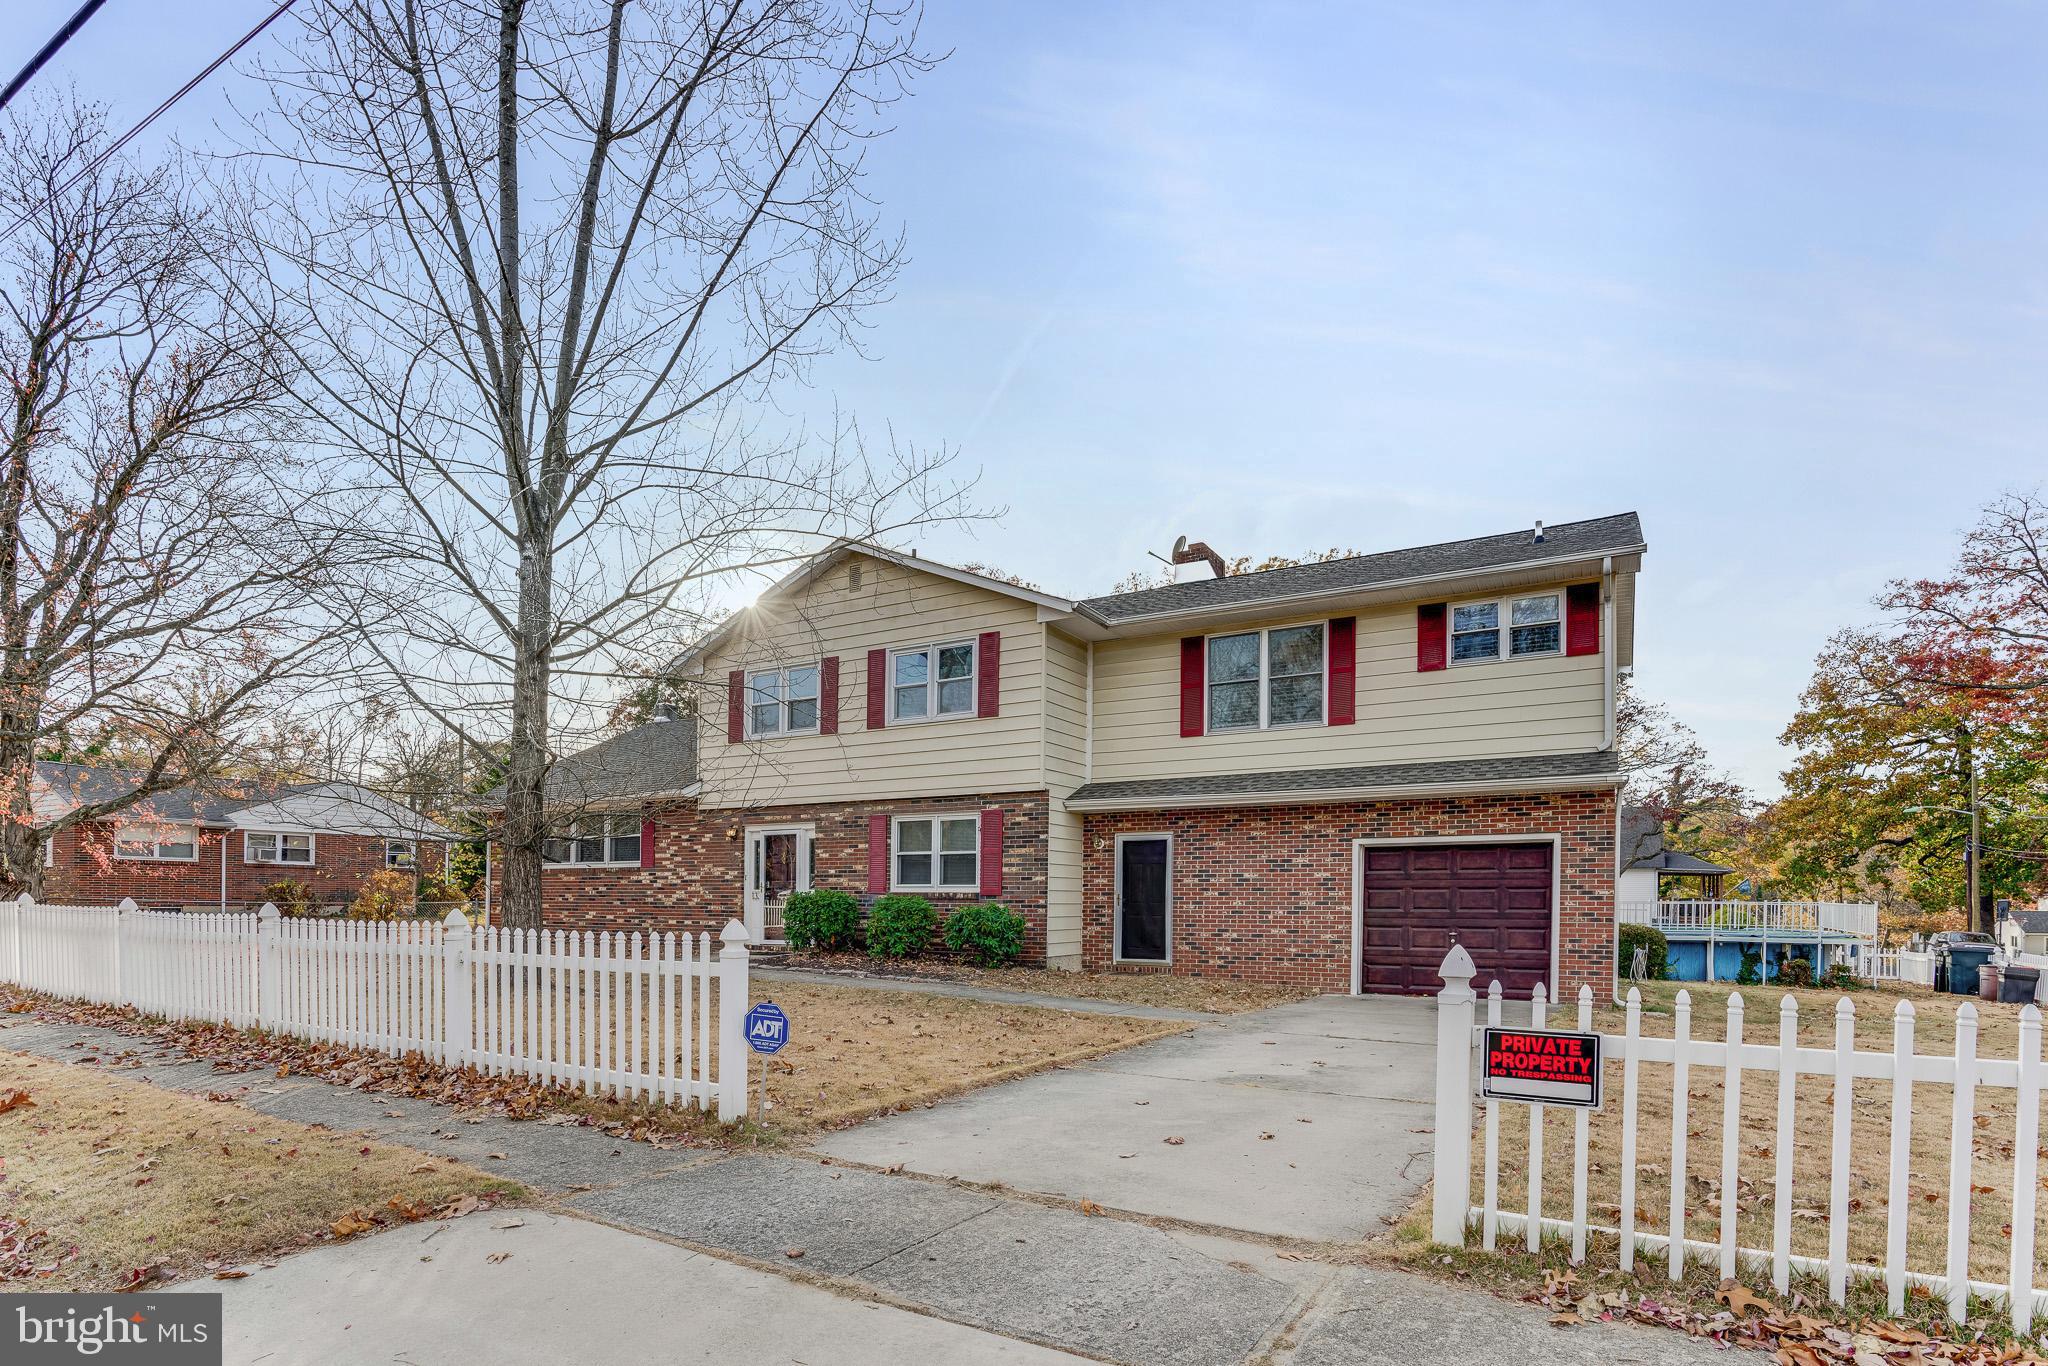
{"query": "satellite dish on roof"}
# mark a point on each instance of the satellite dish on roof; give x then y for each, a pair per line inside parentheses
(1180, 548)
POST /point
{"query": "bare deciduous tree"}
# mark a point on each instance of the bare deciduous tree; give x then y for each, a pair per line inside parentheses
(560, 260)
(153, 574)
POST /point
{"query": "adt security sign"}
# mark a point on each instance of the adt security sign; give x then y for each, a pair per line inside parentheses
(767, 1028)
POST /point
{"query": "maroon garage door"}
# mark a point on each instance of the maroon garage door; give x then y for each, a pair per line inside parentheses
(1495, 897)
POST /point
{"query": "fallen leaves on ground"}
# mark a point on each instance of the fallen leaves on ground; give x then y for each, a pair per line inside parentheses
(16, 1099)
(1794, 1339)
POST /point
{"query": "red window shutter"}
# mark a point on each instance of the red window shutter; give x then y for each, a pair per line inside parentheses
(828, 695)
(646, 843)
(1431, 637)
(992, 851)
(878, 853)
(988, 675)
(1191, 672)
(735, 707)
(878, 688)
(1343, 695)
(1582, 619)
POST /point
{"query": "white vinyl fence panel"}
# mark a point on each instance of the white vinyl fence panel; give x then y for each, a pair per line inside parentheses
(1734, 1058)
(630, 1016)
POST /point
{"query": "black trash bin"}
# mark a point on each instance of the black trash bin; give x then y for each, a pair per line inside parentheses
(2019, 985)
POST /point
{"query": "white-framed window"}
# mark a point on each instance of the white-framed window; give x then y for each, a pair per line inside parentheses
(403, 855)
(1517, 627)
(613, 839)
(783, 701)
(165, 843)
(929, 682)
(935, 854)
(268, 846)
(1269, 677)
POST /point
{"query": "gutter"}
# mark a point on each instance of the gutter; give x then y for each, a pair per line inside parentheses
(1325, 795)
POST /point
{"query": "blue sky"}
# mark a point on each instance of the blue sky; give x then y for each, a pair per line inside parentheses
(1289, 276)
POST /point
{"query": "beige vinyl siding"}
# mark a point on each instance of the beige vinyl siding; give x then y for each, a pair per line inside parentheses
(895, 606)
(1062, 887)
(1066, 713)
(1547, 705)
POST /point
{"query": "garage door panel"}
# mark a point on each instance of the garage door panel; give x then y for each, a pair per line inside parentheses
(1495, 898)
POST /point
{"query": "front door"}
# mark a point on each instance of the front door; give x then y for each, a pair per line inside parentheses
(778, 863)
(1144, 881)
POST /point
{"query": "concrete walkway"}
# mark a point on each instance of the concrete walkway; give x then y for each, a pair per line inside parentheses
(1311, 1120)
(968, 991)
(1010, 1266)
(565, 1290)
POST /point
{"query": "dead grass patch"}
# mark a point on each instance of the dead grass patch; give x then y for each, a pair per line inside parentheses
(1168, 990)
(1870, 1146)
(146, 1183)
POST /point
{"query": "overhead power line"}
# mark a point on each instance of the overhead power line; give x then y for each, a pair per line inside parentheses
(182, 91)
(49, 50)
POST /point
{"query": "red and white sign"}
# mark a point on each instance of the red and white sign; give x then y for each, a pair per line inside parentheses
(1542, 1066)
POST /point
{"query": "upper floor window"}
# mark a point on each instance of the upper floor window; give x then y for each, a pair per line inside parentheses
(176, 843)
(263, 846)
(1531, 625)
(596, 839)
(404, 855)
(937, 853)
(1266, 678)
(929, 681)
(783, 701)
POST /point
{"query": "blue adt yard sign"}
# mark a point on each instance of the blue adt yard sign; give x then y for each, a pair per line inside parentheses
(767, 1028)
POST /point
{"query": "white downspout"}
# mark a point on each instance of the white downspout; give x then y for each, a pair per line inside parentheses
(1609, 648)
(487, 883)
(224, 871)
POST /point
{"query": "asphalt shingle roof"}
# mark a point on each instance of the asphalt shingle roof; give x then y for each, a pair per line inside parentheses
(653, 757)
(1362, 778)
(215, 801)
(2031, 922)
(1567, 540)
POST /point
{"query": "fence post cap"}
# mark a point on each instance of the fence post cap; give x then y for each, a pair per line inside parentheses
(127, 904)
(1457, 971)
(734, 933)
(268, 911)
(455, 919)
(24, 901)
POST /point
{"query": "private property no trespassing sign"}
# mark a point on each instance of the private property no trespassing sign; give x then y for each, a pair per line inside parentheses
(1542, 1066)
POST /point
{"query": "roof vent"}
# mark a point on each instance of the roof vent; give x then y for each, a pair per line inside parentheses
(1187, 552)
(1539, 531)
(666, 711)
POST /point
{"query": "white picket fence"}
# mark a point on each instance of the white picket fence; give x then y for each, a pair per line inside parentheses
(1459, 1033)
(1902, 965)
(630, 1016)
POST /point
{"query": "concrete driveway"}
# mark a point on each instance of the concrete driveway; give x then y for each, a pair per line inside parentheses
(1310, 1120)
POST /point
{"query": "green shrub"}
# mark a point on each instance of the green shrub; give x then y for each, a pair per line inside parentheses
(1841, 977)
(291, 897)
(1649, 937)
(1751, 973)
(992, 932)
(1795, 972)
(822, 919)
(900, 926)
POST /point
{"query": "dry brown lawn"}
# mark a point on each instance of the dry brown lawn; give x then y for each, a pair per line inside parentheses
(1992, 1136)
(1170, 990)
(140, 1179)
(856, 1051)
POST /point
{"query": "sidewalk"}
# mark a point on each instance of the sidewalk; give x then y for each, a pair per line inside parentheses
(1115, 1289)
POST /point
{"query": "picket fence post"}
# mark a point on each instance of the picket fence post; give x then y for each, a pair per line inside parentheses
(268, 977)
(1455, 1004)
(19, 965)
(732, 1013)
(455, 1032)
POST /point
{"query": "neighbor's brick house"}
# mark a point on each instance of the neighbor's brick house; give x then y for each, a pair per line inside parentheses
(218, 845)
(1314, 775)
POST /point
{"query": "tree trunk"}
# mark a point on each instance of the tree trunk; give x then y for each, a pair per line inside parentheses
(21, 851)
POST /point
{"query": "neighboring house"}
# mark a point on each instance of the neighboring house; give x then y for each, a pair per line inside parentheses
(217, 844)
(1314, 775)
(2025, 931)
(1647, 861)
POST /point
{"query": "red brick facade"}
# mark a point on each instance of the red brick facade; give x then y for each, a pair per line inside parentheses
(696, 883)
(84, 871)
(1265, 893)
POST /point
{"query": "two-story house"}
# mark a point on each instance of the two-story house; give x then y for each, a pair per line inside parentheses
(1316, 774)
